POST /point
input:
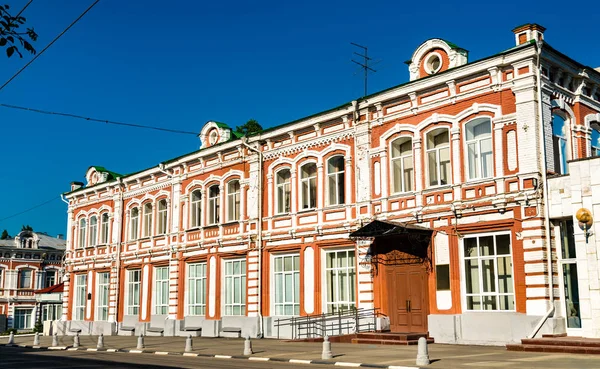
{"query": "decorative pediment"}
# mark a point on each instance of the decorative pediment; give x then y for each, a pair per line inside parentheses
(435, 56)
(96, 174)
(214, 133)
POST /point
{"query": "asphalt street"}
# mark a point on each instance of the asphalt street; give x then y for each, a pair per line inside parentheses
(21, 358)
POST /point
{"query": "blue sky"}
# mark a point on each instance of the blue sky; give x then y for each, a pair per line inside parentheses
(178, 64)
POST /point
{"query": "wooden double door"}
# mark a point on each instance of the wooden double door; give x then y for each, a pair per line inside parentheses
(405, 291)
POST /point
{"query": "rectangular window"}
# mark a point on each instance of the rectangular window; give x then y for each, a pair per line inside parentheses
(50, 279)
(134, 224)
(438, 157)
(162, 217)
(104, 229)
(51, 312)
(340, 279)
(161, 290)
(196, 209)
(233, 201)
(134, 278)
(235, 287)
(283, 191)
(1, 278)
(23, 318)
(308, 183)
(147, 230)
(25, 278)
(196, 289)
(442, 277)
(214, 201)
(488, 272)
(102, 295)
(286, 284)
(80, 297)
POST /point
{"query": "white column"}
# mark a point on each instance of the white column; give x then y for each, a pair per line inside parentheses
(348, 173)
(419, 172)
(321, 188)
(385, 188)
(294, 196)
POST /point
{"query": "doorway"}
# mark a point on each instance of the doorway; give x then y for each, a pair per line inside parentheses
(405, 292)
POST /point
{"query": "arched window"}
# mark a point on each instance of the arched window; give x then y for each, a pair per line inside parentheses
(213, 204)
(478, 139)
(233, 200)
(283, 196)
(438, 157)
(308, 178)
(402, 165)
(147, 230)
(134, 222)
(93, 231)
(104, 229)
(196, 209)
(560, 144)
(82, 230)
(162, 217)
(595, 139)
(335, 180)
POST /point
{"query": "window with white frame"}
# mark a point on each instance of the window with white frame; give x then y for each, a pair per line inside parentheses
(49, 278)
(214, 203)
(283, 196)
(233, 200)
(340, 279)
(162, 217)
(308, 184)
(161, 290)
(402, 165)
(478, 139)
(23, 318)
(134, 223)
(488, 272)
(559, 143)
(80, 297)
(196, 301)
(25, 278)
(93, 231)
(82, 231)
(51, 312)
(196, 209)
(102, 295)
(438, 157)
(1, 277)
(235, 287)
(286, 284)
(335, 180)
(147, 228)
(595, 142)
(132, 301)
(104, 228)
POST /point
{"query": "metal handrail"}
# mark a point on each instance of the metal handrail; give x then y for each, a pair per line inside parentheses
(331, 324)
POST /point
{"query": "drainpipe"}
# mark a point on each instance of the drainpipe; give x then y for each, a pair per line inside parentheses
(259, 230)
(119, 244)
(542, 138)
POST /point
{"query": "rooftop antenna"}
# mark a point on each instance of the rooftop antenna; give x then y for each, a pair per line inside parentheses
(365, 64)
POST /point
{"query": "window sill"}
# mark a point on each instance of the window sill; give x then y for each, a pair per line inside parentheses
(230, 223)
(335, 207)
(193, 229)
(437, 188)
(308, 210)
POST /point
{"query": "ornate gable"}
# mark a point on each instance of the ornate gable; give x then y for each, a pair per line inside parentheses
(214, 133)
(435, 56)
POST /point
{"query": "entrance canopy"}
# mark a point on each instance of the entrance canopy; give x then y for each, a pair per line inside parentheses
(395, 242)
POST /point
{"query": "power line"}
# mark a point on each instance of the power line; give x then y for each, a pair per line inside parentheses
(30, 209)
(50, 44)
(22, 10)
(75, 116)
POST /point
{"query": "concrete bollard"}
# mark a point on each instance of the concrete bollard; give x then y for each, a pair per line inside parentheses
(100, 341)
(76, 340)
(55, 340)
(188, 344)
(248, 346)
(422, 352)
(140, 344)
(326, 355)
(36, 339)
(11, 338)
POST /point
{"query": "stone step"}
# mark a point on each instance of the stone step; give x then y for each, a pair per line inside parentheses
(392, 336)
(555, 349)
(570, 342)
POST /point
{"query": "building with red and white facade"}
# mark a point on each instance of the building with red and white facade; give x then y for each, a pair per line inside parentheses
(426, 201)
(28, 262)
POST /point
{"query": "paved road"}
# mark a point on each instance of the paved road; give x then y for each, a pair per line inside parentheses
(14, 357)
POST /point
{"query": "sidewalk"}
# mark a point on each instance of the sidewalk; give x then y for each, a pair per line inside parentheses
(380, 356)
